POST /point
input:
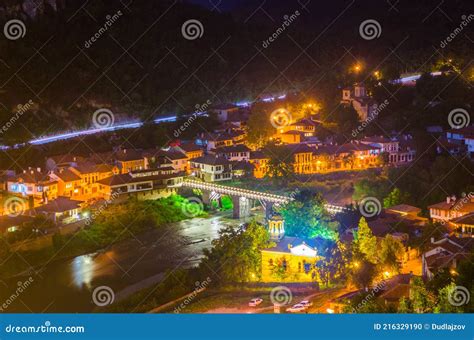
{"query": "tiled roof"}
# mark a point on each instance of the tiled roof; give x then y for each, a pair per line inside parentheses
(127, 178)
(466, 219)
(211, 160)
(67, 175)
(232, 148)
(288, 242)
(60, 204)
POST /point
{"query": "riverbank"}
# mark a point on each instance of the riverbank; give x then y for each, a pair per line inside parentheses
(115, 224)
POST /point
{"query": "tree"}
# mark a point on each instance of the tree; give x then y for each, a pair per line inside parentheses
(307, 217)
(370, 188)
(346, 119)
(349, 160)
(333, 266)
(259, 127)
(421, 300)
(443, 304)
(391, 253)
(395, 197)
(363, 272)
(280, 165)
(365, 242)
(404, 305)
(235, 255)
(383, 159)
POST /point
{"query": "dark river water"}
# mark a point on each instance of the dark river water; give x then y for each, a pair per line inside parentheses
(66, 286)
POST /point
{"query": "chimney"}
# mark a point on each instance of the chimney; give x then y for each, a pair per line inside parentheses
(432, 240)
(448, 199)
(38, 169)
(290, 246)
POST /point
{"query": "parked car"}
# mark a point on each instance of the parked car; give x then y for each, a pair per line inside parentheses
(255, 302)
(296, 308)
(306, 303)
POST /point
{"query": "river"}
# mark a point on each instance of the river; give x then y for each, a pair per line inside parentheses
(66, 286)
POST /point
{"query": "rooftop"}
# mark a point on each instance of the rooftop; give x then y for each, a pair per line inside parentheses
(60, 204)
(211, 160)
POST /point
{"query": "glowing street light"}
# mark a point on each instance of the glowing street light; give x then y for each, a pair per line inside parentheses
(357, 68)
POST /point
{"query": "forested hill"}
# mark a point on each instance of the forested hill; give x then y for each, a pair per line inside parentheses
(142, 66)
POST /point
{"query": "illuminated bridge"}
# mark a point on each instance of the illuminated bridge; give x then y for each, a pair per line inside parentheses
(243, 199)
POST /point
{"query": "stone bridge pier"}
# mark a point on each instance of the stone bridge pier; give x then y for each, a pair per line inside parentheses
(242, 206)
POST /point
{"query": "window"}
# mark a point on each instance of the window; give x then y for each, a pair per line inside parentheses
(12, 229)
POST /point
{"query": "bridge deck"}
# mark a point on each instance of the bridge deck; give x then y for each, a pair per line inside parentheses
(251, 194)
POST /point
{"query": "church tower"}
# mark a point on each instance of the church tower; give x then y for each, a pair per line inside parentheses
(276, 228)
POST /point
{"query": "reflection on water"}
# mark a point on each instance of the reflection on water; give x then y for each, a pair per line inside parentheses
(83, 271)
(66, 286)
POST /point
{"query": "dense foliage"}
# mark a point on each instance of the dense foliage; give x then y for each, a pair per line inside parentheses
(307, 217)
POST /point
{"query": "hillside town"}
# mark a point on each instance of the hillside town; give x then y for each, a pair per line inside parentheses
(68, 190)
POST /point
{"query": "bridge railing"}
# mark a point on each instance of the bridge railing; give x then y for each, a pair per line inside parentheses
(252, 194)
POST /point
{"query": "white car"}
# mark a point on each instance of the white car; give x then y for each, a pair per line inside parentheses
(255, 302)
(306, 303)
(296, 308)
